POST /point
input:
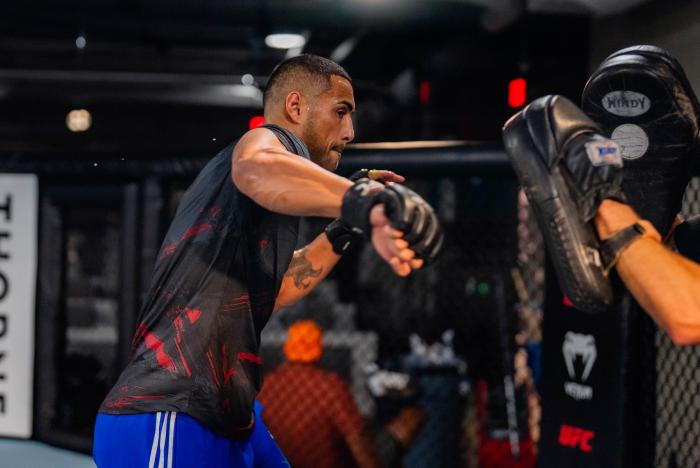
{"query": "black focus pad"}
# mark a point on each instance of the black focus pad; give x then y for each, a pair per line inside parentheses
(408, 212)
(591, 183)
(566, 169)
(641, 98)
(687, 238)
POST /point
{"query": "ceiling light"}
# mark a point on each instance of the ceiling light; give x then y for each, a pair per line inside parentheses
(285, 41)
(80, 42)
(78, 120)
(248, 79)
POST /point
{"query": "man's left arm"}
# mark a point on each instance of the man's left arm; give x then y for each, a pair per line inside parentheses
(309, 266)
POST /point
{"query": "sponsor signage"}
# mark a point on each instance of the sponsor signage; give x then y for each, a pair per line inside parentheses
(579, 347)
(582, 385)
(575, 437)
(18, 257)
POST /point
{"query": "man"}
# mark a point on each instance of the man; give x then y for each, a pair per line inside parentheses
(187, 395)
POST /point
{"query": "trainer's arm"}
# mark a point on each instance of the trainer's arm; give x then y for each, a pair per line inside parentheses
(309, 266)
(283, 182)
(665, 284)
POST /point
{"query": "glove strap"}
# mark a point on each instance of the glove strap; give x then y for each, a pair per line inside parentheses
(612, 248)
(340, 236)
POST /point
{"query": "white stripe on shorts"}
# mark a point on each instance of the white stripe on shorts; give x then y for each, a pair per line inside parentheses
(163, 434)
(171, 440)
(154, 444)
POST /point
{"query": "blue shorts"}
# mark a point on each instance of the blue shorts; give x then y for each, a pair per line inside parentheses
(175, 440)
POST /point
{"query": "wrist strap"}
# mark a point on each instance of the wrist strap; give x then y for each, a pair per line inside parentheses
(340, 236)
(612, 248)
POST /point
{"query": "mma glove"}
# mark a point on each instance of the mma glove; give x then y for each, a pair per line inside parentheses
(404, 208)
(340, 234)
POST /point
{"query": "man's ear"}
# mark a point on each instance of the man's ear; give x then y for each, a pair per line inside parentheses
(293, 106)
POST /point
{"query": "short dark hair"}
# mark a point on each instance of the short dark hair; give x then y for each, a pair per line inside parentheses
(305, 67)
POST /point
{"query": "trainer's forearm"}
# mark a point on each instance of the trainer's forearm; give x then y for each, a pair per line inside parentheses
(289, 184)
(664, 283)
(309, 266)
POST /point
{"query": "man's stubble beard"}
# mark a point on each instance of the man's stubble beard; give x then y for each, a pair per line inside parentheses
(319, 155)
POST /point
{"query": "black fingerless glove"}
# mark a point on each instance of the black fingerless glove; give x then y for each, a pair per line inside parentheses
(358, 201)
(340, 234)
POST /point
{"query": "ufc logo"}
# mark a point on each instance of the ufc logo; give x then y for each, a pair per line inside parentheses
(575, 437)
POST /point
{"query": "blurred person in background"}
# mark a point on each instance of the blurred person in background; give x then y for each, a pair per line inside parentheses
(314, 417)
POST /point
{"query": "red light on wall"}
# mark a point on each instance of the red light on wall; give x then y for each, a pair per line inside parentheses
(517, 92)
(256, 122)
(424, 92)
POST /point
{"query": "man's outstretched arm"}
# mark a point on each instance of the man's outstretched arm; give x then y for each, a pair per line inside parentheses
(284, 182)
(665, 284)
(311, 264)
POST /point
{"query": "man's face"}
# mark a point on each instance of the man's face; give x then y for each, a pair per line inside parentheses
(328, 127)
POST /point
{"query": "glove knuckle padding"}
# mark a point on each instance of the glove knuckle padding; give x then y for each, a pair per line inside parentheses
(398, 206)
(357, 204)
(549, 144)
(408, 212)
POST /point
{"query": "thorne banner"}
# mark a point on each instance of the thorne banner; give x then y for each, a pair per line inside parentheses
(18, 259)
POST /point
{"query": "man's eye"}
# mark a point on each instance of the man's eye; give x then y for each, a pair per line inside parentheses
(341, 113)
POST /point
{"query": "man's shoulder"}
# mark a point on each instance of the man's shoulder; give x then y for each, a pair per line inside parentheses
(260, 136)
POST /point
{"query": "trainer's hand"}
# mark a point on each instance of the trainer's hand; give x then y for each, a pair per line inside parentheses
(612, 217)
(390, 246)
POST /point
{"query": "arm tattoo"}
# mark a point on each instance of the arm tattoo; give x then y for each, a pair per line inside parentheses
(301, 269)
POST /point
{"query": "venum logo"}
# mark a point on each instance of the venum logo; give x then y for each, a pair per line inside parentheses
(626, 103)
(577, 346)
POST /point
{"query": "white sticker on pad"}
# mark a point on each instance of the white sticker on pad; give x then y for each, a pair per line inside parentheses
(626, 103)
(632, 140)
(603, 153)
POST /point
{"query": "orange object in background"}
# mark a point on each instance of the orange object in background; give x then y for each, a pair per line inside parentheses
(304, 342)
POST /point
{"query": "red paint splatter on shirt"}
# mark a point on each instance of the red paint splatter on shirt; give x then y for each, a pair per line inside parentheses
(155, 345)
(193, 314)
(250, 357)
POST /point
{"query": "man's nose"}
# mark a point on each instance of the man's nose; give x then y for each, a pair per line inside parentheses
(348, 132)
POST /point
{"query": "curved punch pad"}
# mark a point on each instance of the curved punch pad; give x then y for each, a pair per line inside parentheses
(536, 140)
(641, 98)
